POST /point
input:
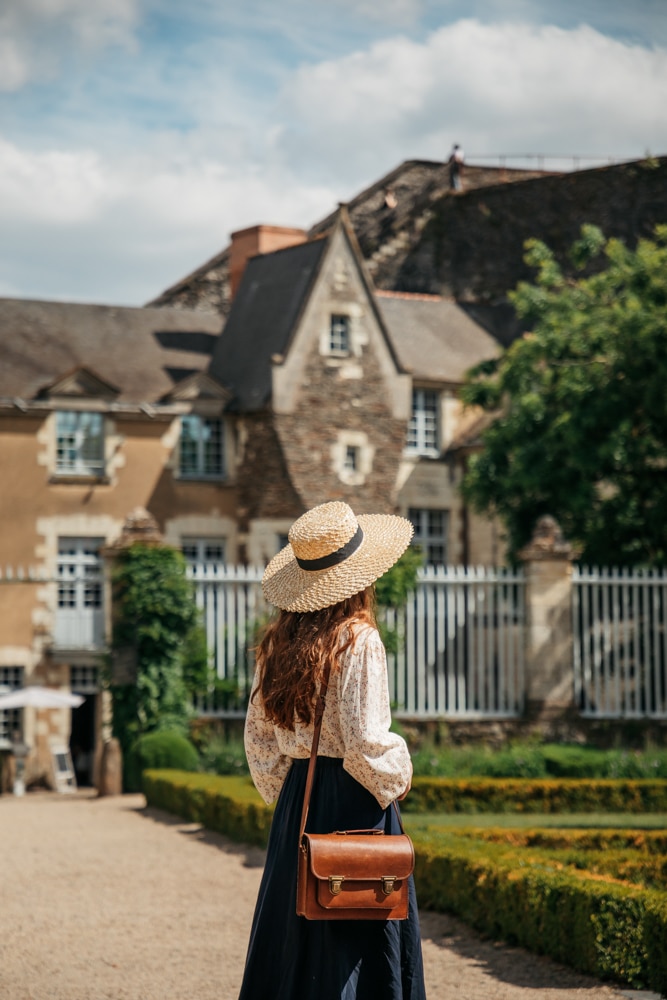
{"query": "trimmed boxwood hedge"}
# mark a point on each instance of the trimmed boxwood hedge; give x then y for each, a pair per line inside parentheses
(605, 928)
(610, 930)
(228, 805)
(528, 795)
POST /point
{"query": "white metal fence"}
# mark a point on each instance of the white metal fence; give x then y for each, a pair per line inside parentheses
(456, 649)
(620, 642)
(233, 608)
(460, 648)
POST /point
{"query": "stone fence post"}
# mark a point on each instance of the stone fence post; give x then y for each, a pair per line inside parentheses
(548, 560)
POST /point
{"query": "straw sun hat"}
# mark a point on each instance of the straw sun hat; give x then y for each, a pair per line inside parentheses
(332, 554)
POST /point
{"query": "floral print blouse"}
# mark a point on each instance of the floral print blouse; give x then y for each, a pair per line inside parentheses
(355, 727)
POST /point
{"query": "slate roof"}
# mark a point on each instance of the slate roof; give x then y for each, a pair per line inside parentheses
(143, 352)
(435, 339)
(417, 186)
(273, 290)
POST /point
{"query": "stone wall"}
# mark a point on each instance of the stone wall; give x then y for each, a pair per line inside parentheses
(264, 487)
(473, 246)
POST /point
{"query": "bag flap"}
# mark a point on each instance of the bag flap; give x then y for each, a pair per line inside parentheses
(356, 856)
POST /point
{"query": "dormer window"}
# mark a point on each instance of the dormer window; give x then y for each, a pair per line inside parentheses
(79, 443)
(423, 427)
(202, 447)
(339, 335)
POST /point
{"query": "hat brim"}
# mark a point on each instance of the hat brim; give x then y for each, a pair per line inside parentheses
(285, 584)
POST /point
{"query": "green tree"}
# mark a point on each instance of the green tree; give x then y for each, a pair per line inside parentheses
(155, 614)
(580, 403)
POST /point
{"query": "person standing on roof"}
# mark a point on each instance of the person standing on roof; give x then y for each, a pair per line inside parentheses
(455, 163)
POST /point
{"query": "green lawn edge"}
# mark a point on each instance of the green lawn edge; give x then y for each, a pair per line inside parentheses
(609, 930)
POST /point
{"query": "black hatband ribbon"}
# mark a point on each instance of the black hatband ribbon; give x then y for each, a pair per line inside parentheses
(339, 556)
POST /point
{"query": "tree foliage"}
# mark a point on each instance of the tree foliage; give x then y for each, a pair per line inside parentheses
(392, 591)
(155, 614)
(581, 403)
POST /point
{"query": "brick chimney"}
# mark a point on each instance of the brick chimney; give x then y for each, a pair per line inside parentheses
(248, 243)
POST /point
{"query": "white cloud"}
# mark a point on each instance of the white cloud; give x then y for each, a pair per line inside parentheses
(495, 88)
(77, 225)
(105, 207)
(54, 188)
(37, 35)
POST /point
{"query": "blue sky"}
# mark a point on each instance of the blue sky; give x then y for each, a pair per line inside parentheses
(135, 135)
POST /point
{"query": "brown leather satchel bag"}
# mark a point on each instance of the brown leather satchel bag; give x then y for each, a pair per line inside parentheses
(350, 874)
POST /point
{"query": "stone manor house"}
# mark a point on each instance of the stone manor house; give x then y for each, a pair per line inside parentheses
(295, 367)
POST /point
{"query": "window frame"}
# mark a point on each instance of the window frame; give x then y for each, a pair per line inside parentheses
(201, 543)
(70, 443)
(339, 337)
(352, 458)
(425, 537)
(11, 719)
(423, 435)
(204, 469)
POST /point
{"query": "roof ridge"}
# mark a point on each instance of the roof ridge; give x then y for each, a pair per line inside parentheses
(387, 293)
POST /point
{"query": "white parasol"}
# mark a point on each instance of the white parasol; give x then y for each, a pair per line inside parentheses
(40, 697)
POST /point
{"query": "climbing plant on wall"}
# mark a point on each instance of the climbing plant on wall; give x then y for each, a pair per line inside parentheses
(155, 616)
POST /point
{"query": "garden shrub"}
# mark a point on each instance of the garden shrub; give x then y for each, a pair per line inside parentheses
(610, 930)
(477, 795)
(221, 756)
(534, 760)
(228, 805)
(162, 749)
(631, 857)
(156, 619)
(595, 926)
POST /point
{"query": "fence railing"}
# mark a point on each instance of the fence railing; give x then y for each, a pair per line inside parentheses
(233, 608)
(543, 161)
(456, 649)
(620, 642)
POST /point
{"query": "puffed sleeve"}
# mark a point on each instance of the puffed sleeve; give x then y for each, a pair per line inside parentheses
(268, 766)
(376, 757)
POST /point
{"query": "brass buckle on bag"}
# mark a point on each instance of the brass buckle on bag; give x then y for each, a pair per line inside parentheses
(335, 884)
(388, 884)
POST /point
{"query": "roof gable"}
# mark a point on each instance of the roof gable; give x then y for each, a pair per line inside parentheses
(198, 386)
(82, 383)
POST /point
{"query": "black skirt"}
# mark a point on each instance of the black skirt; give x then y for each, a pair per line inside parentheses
(291, 958)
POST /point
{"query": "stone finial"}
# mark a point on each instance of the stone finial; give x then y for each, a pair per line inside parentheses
(140, 527)
(548, 542)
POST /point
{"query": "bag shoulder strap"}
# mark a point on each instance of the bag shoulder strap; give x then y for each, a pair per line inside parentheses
(310, 777)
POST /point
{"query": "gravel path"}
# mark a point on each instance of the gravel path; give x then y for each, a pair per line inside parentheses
(104, 899)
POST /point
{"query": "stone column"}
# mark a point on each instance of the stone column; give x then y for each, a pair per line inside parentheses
(549, 641)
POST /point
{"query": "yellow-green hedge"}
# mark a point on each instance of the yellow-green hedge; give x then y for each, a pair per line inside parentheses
(228, 805)
(611, 930)
(528, 795)
(604, 928)
(551, 838)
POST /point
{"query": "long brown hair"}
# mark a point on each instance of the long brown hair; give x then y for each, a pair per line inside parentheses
(295, 649)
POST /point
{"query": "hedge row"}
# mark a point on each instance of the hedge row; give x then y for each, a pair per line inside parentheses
(227, 805)
(639, 860)
(647, 841)
(527, 795)
(609, 930)
(604, 928)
